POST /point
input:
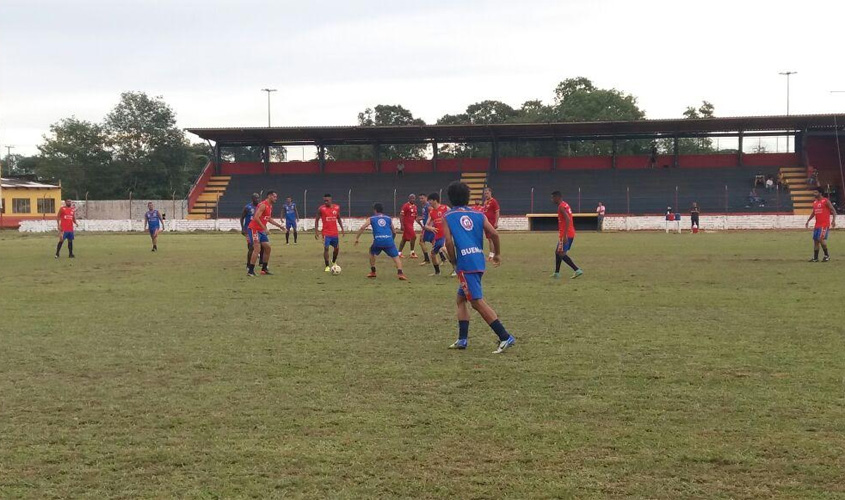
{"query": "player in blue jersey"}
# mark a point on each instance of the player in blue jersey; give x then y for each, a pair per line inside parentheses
(246, 217)
(153, 221)
(426, 236)
(383, 235)
(464, 232)
(291, 219)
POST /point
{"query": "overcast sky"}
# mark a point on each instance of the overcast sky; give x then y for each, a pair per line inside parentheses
(331, 59)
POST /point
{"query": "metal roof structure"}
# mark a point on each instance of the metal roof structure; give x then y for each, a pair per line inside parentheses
(10, 183)
(561, 131)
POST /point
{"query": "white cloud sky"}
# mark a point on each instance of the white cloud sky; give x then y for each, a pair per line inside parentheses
(332, 59)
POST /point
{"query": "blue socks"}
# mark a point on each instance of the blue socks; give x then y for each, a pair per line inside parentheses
(463, 330)
(499, 329)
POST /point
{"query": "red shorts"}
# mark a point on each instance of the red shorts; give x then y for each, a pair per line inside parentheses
(409, 234)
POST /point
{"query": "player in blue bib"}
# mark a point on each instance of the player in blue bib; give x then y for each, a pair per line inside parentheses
(152, 220)
(291, 219)
(464, 231)
(246, 217)
(383, 236)
(426, 236)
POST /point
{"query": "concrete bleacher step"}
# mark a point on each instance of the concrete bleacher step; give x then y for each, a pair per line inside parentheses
(476, 181)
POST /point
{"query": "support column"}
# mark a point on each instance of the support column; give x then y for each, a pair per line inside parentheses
(321, 154)
(801, 146)
(266, 159)
(434, 156)
(739, 150)
(676, 151)
(613, 153)
(377, 157)
(494, 158)
(218, 158)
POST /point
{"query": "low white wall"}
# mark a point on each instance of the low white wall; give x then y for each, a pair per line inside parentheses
(707, 222)
(611, 223)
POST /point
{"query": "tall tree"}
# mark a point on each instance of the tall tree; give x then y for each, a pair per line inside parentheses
(383, 115)
(695, 145)
(148, 147)
(74, 153)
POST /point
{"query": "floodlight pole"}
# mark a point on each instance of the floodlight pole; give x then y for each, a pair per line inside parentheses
(268, 104)
(787, 74)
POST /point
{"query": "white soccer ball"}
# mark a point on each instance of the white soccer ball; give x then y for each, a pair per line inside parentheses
(335, 269)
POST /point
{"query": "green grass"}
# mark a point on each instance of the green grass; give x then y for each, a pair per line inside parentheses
(678, 366)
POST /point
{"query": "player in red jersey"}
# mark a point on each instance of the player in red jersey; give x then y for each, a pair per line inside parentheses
(825, 216)
(408, 217)
(435, 223)
(258, 225)
(329, 215)
(66, 221)
(566, 235)
(491, 211)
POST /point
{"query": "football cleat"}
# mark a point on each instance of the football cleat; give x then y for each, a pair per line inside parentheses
(414, 255)
(577, 273)
(555, 276)
(505, 344)
(813, 260)
(402, 277)
(826, 258)
(459, 344)
(425, 263)
(328, 269)
(371, 275)
(266, 272)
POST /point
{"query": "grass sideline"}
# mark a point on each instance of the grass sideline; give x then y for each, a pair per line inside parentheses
(678, 366)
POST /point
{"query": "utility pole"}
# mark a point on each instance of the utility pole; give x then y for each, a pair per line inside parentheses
(9, 156)
(268, 104)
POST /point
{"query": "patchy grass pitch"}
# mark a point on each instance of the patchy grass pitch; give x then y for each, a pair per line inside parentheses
(677, 366)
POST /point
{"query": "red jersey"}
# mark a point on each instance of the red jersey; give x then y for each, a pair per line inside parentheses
(66, 215)
(561, 220)
(478, 208)
(265, 216)
(822, 212)
(329, 217)
(437, 215)
(408, 214)
(491, 206)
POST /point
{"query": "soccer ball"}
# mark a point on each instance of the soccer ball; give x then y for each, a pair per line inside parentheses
(335, 269)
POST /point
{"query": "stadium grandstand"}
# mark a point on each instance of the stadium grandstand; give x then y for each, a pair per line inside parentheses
(626, 184)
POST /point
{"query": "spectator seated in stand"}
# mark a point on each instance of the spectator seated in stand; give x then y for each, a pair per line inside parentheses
(754, 200)
(759, 180)
(770, 184)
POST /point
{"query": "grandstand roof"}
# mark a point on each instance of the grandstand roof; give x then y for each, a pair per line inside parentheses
(749, 125)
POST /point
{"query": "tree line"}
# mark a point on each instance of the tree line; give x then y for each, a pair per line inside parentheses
(137, 147)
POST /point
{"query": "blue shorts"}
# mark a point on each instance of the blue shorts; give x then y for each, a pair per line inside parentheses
(153, 229)
(390, 251)
(438, 244)
(67, 235)
(821, 233)
(428, 237)
(331, 241)
(290, 223)
(470, 285)
(567, 244)
(258, 237)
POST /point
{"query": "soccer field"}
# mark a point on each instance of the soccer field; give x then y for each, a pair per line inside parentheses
(705, 365)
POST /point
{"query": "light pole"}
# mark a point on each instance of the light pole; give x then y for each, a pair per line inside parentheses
(787, 74)
(268, 104)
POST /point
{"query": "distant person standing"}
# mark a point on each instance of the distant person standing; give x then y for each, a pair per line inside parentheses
(566, 236)
(407, 218)
(291, 219)
(694, 212)
(426, 236)
(66, 219)
(600, 216)
(152, 220)
(491, 211)
(825, 216)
